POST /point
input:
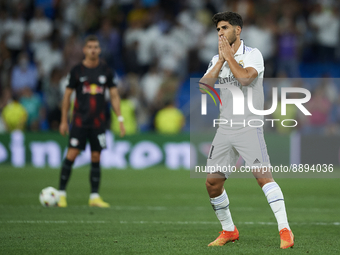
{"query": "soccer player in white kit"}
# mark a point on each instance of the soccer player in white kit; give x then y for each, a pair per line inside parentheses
(241, 66)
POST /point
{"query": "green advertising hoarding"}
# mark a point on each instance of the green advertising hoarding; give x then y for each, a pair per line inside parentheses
(47, 149)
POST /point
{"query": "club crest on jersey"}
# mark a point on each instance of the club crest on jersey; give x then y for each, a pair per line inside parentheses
(102, 79)
(241, 63)
(92, 89)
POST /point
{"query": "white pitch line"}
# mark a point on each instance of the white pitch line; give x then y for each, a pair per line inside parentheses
(53, 222)
(237, 223)
(165, 208)
(160, 222)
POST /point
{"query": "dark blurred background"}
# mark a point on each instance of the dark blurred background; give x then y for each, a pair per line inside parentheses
(155, 47)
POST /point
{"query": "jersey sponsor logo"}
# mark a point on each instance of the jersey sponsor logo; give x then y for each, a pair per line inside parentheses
(102, 79)
(82, 79)
(92, 89)
(74, 142)
(229, 79)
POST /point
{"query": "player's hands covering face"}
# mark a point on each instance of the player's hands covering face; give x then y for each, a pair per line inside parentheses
(224, 49)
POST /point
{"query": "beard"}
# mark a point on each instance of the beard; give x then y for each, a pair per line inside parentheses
(232, 38)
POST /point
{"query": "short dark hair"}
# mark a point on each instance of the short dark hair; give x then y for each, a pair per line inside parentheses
(91, 38)
(233, 18)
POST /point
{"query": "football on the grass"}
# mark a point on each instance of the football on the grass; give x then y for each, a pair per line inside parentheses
(49, 197)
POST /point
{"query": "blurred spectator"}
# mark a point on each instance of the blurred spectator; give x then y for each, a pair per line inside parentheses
(71, 11)
(169, 120)
(63, 28)
(47, 6)
(151, 83)
(5, 97)
(5, 66)
(291, 113)
(90, 17)
(14, 115)
(327, 26)
(139, 40)
(73, 52)
(49, 58)
(288, 45)
(33, 106)
(3, 17)
(128, 111)
(53, 99)
(24, 74)
(155, 44)
(208, 46)
(261, 35)
(330, 87)
(110, 40)
(169, 51)
(319, 106)
(39, 30)
(14, 34)
(195, 30)
(131, 81)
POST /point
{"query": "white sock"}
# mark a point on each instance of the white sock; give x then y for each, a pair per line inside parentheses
(94, 195)
(221, 206)
(62, 193)
(275, 199)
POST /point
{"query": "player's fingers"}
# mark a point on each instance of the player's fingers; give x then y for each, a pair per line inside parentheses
(226, 42)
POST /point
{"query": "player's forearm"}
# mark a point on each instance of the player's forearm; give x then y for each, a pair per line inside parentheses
(240, 73)
(115, 102)
(64, 109)
(211, 77)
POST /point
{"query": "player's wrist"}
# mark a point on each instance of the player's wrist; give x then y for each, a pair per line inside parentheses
(229, 57)
(220, 61)
(120, 118)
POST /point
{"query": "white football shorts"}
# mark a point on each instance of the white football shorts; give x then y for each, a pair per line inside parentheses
(248, 143)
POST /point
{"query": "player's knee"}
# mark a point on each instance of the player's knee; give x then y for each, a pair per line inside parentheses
(208, 185)
(95, 157)
(214, 188)
(72, 154)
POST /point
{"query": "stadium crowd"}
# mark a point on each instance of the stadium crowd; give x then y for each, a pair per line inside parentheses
(155, 47)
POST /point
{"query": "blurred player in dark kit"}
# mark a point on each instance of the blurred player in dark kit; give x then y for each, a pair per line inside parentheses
(89, 79)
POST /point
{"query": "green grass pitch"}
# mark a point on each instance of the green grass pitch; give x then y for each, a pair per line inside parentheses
(159, 211)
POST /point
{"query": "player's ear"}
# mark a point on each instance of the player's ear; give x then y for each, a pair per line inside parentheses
(238, 30)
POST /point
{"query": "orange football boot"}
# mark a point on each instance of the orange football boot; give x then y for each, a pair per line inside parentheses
(287, 238)
(225, 237)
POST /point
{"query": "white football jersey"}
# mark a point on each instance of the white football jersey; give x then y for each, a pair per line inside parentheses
(246, 57)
